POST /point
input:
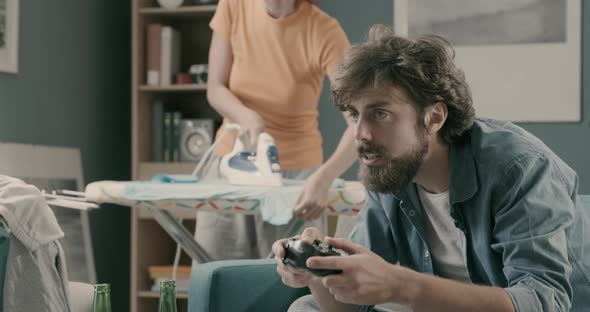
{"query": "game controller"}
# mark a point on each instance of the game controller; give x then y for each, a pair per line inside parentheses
(297, 252)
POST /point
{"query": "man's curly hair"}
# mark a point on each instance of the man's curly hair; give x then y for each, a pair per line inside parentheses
(424, 67)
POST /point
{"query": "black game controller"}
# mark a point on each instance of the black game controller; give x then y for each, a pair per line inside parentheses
(297, 252)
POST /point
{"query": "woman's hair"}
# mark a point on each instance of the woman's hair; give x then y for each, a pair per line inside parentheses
(424, 67)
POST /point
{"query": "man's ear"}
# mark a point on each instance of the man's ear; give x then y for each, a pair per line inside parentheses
(435, 117)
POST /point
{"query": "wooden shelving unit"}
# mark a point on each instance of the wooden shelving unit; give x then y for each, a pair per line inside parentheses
(150, 245)
(155, 294)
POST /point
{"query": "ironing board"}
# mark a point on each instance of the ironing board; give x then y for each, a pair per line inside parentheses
(346, 199)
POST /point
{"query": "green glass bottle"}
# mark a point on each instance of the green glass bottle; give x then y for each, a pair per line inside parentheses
(167, 296)
(102, 298)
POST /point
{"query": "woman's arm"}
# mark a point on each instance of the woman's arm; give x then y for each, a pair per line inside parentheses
(219, 95)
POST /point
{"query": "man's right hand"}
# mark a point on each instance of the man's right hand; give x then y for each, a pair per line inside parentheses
(291, 276)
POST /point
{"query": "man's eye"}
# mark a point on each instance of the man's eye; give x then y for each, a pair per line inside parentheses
(380, 114)
(353, 115)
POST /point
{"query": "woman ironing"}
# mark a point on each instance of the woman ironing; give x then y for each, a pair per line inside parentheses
(267, 62)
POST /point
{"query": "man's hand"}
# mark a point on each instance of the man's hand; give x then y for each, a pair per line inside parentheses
(291, 276)
(366, 278)
(313, 199)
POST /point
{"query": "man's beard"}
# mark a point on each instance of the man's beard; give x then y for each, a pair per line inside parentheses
(397, 173)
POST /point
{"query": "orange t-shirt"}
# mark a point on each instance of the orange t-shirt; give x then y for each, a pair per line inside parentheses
(278, 71)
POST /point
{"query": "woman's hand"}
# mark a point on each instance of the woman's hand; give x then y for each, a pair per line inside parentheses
(251, 126)
(313, 199)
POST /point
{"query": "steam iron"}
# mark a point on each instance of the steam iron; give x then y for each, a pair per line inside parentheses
(260, 168)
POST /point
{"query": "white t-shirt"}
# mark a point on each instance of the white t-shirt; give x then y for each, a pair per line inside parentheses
(446, 242)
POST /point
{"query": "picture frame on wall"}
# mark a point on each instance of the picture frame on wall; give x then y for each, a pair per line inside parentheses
(9, 24)
(521, 58)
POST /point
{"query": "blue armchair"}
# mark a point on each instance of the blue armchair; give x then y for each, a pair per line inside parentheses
(250, 285)
(240, 286)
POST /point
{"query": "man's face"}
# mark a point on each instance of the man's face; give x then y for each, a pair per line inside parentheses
(390, 137)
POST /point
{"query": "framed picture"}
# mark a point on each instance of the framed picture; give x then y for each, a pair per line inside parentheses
(9, 36)
(56, 168)
(521, 58)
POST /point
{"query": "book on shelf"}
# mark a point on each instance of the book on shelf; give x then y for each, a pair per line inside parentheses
(156, 130)
(169, 55)
(162, 55)
(165, 271)
(159, 273)
(167, 137)
(170, 137)
(153, 39)
(175, 150)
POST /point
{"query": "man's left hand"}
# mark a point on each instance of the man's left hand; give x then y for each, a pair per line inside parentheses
(366, 278)
(313, 199)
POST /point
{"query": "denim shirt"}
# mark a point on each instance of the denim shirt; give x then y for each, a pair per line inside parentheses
(517, 204)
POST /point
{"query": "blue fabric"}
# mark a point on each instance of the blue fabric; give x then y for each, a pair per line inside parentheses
(175, 178)
(239, 286)
(516, 202)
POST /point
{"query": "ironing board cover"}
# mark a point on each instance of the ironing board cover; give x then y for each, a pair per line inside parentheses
(348, 199)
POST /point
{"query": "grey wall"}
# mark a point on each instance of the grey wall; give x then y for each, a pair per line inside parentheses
(571, 141)
(355, 17)
(72, 90)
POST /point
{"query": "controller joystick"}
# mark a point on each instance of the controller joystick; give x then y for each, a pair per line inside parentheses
(297, 252)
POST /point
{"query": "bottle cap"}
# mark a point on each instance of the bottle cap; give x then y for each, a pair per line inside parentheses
(167, 284)
(102, 288)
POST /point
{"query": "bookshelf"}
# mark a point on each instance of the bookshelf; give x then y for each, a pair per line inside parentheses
(150, 245)
(155, 294)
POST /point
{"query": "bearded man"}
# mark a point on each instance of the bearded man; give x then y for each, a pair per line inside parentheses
(462, 214)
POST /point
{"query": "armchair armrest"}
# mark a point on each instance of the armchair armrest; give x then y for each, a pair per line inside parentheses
(239, 285)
